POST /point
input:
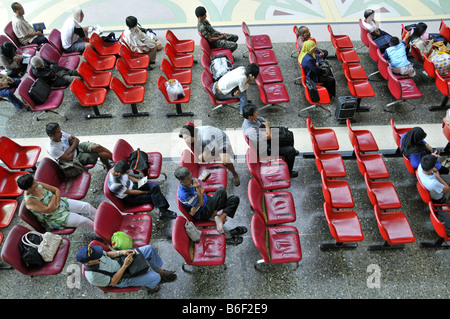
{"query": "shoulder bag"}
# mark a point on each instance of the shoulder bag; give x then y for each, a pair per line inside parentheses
(39, 91)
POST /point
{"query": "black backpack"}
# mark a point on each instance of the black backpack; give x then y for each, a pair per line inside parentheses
(138, 161)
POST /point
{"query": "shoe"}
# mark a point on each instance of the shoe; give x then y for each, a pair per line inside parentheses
(293, 174)
(152, 61)
(167, 275)
(152, 290)
(167, 214)
(234, 240)
(237, 181)
(240, 230)
(436, 108)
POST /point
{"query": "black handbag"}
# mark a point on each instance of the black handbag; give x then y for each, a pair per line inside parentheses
(30, 254)
(312, 89)
(138, 267)
(39, 91)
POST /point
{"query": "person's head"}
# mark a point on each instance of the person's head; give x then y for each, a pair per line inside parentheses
(121, 168)
(17, 9)
(78, 15)
(252, 70)
(53, 131)
(90, 255)
(187, 133)
(249, 112)
(8, 50)
(304, 32)
(428, 162)
(417, 135)
(184, 176)
(369, 14)
(419, 30)
(394, 41)
(200, 12)
(26, 182)
(131, 22)
(309, 46)
(37, 62)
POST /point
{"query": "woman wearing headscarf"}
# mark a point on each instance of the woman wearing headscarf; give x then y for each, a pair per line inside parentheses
(414, 147)
(311, 66)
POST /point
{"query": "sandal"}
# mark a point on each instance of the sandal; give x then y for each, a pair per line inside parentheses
(237, 181)
(234, 240)
(240, 230)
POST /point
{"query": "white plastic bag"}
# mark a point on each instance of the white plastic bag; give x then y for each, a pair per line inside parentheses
(174, 90)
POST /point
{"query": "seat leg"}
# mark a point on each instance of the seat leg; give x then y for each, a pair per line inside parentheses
(313, 107)
(440, 107)
(385, 246)
(179, 112)
(268, 105)
(38, 116)
(97, 114)
(189, 271)
(338, 245)
(387, 109)
(438, 243)
(134, 112)
(371, 74)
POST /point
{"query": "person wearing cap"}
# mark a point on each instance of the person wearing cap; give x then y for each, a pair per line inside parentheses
(208, 142)
(125, 187)
(437, 184)
(52, 74)
(215, 38)
(103, 268)
(380, 37)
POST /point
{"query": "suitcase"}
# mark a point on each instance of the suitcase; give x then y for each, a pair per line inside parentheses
(345, 108)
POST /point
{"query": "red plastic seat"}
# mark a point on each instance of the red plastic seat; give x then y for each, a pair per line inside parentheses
(344, 226)
(373, 49)
(362, 138)
(98, 62)
(129, 95)
(48, 52)
(187, 97)
(336, 192)
(402, 89)
(275, 207)
(103, 47)
(331, 163)
(260, 41)
(428, 66)
(217, 178)
(444, 30)
(263, 56)
(324, 97)
(382, 194)
(446, 129)
(178, 60)
(131, 76)
(417, 55)
(270, 175)
(398, 132)
(267, 73)
(181, 46)
(443, 85)
(16, 156)
(120, 203)
(383, 67)
(363, 33)
(324, 137)
(92, 77)
(8, 184)
(272, 94)
(341, 41)
(54, 38)
(372, 164)
(109, 288)
(134, 60)
(207, 83)
(439, 227)
(408, 165)
(122, 151)
(53, 101)
(7, 210)
(424, 193)
(209, 251)
(212, 52)
(184, 76)
(277, 244)
(109, 220)
(354, 71)
(12, 255)
(10, 33)
(28, 217)
(89, 97)
(394, 228)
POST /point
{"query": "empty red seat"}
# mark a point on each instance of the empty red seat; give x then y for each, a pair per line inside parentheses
(272, 94)
(277, 244)
(187, 97)
(184, 76)
(180, 45)
(336, 192)
(103, 47)
(267, 73)
(344, 226)
(340, 41)
(263, 56)
(382, 194)
(362, 138)
(331, 163)
(92, 77)
(444, 30)
(99, 62)
(398, 132)
(89, 97)
(260, 41)
(16, 156)
(178, 59)
(7, 210)
(372, 164)
(354, 71)
(131, 76)
(324, 137)
(394, 228)
(8, 184)
(402, 89)
(275, 207)
(134, 60)
(129, 95)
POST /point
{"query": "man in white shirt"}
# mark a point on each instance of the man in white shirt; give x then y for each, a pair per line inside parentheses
(64, 147)
(235, 83)
(24, 32)
(74, 37)
(434, 182)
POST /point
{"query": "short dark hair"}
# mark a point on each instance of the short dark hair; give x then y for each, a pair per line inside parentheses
(121, 167)
(200, 11)
(428, 162)
(25, 181)
(394, 41)
(368, 13)
(51, 128)
(14, 6)
(252, 69)
(131, 21)
(181, 173)
(187, 129)
(248, 110)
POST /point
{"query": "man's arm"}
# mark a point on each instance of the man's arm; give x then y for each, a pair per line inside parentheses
(439, 178)
(68, 155)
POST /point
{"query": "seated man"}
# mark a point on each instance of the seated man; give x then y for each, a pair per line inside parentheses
(380, 37)
(304, 35)
(52, 73)
(23, 30)
(215, 38)
(74, 37)
(66, 148)
(252, 127)
(235, 83)
(126, 188)
(205, 207)
(396, 55)
(437, 184)
(7, 84)
(105, 269)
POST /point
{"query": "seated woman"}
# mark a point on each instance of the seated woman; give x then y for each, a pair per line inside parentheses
(420, 39)
(380, 37)
(309, 63)
(7, 86)
(137, 40)
(208, 142)
(414, 147)
(52, 210)
(52, 73)
(11, 61)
